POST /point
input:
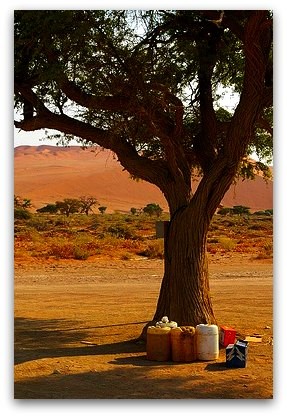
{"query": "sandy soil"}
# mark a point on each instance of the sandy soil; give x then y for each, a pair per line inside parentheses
(45, 174)
(75, 325)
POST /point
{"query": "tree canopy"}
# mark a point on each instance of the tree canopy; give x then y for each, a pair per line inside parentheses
(145, 82)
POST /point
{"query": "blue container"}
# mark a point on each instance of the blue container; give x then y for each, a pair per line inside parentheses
(236, 354)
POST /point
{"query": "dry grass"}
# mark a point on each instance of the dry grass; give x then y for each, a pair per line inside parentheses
(124, 236)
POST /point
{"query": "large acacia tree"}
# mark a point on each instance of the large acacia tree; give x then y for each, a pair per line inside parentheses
(147, 86)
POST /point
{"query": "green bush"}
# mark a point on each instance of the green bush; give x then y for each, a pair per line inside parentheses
(153, 209)
(122, 231)
(241, 210)
(39, 223)
(224, 210)
(21, 214)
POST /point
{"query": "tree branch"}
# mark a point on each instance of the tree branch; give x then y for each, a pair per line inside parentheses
(204, 145)
(118, 103)
(263, 123)
(250, 106)
(139, 166)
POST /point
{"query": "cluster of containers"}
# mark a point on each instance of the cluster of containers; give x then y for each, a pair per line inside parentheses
(182, 344)
(166, 341)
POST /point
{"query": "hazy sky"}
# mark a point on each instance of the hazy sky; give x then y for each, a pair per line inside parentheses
(35, 138)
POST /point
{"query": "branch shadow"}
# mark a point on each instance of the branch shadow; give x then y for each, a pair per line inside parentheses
(138, 382)
(135, 377)
(36, 339)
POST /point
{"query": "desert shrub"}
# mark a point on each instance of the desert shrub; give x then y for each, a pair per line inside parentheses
(227, 243)
(266, 251)
(39, 223)
(62, 249)
(102, 209)
(123, 231)
(259, 213)
(154, 249)
(80, 253)
(240, 210)
(21, 214)
(263, 213)
(153, 209)
(49, 208)
(224, 210)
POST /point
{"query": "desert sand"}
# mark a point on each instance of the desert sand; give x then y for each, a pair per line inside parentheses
(45, 174)
(76, 325)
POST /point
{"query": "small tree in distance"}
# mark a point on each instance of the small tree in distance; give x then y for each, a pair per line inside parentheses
(21, 206)
(20, 202)
(102, 209)
(87, 204)
(153, 209)
(49, 208)
(69, 206)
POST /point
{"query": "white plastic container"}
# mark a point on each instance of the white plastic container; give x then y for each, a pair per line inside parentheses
(207, 341)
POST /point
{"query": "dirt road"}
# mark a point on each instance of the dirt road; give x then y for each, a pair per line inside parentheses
(75, 323)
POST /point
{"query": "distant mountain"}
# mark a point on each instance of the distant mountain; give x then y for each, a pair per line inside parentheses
(45, 174)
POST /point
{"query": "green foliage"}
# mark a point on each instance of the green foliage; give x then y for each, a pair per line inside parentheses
(102, 209)
(21, 213)
(264, 212)
(121, 230)
(125, 235)
(241, 210)
(153, 209)
(49, 208)
(20, 202)
(150, 61)
(69, 206)
(224, 210)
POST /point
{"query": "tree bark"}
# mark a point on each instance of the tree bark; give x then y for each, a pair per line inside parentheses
(185, 293)
(185, 296)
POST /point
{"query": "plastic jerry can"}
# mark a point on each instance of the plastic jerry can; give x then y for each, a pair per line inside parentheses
(158, 346)
(207, 342)
(183, 344)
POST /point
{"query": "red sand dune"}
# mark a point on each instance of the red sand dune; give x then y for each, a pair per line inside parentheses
(45, 174)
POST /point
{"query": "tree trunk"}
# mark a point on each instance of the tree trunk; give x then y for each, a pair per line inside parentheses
(184, 295)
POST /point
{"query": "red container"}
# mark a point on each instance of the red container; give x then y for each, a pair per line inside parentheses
(226, 336)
